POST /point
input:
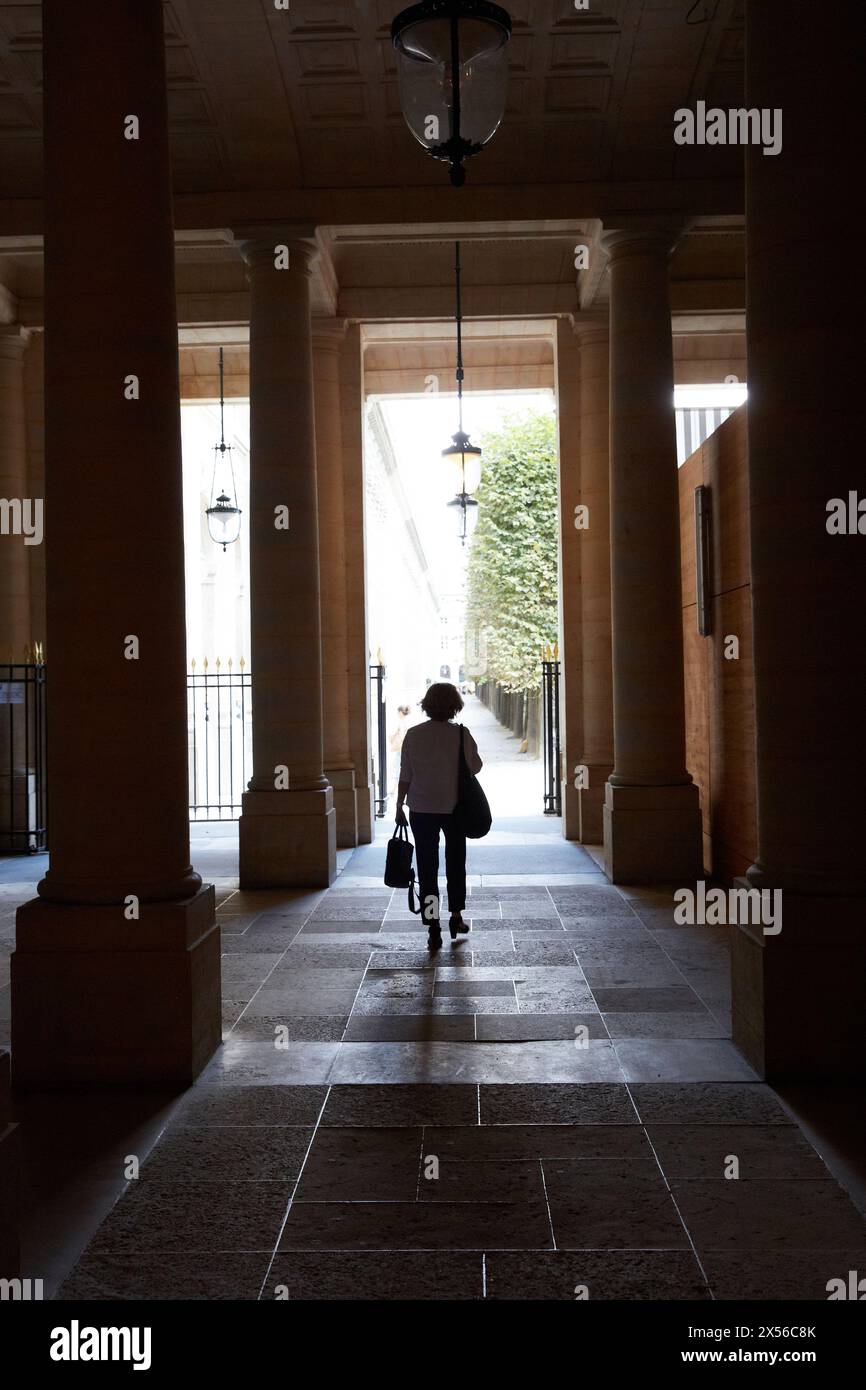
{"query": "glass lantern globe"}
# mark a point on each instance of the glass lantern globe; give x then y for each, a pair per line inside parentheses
(467, 462)
(453, 73)
(464, 511)
(223, 521)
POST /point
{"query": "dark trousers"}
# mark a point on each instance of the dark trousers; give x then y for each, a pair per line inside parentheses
(425, 828)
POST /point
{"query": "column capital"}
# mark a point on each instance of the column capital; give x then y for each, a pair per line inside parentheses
(642, 238)
(329, 334)
(260, 246)
(8, 305)
(591, 328)
(13, 340)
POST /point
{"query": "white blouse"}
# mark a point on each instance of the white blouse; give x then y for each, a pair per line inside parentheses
(429, 764)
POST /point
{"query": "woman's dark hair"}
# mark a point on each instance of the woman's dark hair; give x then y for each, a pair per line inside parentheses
(442, 701)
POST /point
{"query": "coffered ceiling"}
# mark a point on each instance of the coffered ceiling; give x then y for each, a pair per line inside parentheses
(294, 115)
(307, 98)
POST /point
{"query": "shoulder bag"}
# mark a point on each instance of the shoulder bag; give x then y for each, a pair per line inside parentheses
(399, 871)
(472, 811)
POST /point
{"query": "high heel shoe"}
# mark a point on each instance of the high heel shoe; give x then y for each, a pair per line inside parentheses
(434, 939)
(457, 924)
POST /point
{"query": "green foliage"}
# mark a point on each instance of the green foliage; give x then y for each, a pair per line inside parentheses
(512, 567)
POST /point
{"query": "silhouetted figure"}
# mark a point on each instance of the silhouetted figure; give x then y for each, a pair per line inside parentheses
(395, 744)
(428, 777)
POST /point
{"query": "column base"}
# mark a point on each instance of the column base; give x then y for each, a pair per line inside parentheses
(583, 809)
(365, 811)
(10, 1179)
(288, 839)
(796, 995)
(570, 809)
(653, 834)
(99, 1000)
(342, 782)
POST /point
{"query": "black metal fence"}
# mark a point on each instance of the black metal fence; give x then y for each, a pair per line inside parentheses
(220, 743)
(23, 784)
(220, 734)
(517, 710)
(380, 747)
(550, 740)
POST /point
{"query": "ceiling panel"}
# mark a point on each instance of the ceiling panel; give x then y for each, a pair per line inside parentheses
(261, 98)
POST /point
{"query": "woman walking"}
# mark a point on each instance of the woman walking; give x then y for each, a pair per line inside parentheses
(428, 777)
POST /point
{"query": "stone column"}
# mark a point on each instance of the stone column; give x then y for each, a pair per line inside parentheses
(352, 401)
(596, 756)
(800, 994)
(287, 823)
(570, 611)
(20, 512)
(14, 553)
(328, 338)
(115, 976)
(34, 415)
(652, 826)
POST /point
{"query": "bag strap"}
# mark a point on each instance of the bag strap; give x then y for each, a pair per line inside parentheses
(401, 833)
(413, 894)
(461, 752)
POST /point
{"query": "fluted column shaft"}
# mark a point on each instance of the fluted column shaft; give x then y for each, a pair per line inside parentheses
(328, 339)
(804, 349)
(652, 830)
(116, 971)
(287, 822)
(596, 753)
(352, 404)
(112, 573)
(570, 614)
(14, 553)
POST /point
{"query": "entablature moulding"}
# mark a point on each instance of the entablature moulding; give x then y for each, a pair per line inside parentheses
(432, 207)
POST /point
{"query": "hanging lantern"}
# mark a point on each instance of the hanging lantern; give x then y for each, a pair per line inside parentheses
(467, 462)
(223, 515)
(465, 456)
(464, 510)
(453, 72)
(224, 521)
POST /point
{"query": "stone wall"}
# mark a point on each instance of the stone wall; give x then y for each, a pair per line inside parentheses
(720, 707)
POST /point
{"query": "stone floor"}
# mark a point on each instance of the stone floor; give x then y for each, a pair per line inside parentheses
(553, 1103)
(383, 1124)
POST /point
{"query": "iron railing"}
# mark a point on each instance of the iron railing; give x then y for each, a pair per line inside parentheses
(550, 741)
(379, 760)
(220, 735)
(23, 783)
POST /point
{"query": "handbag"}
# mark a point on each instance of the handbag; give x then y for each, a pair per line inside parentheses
(472, 812)
(399, 871)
